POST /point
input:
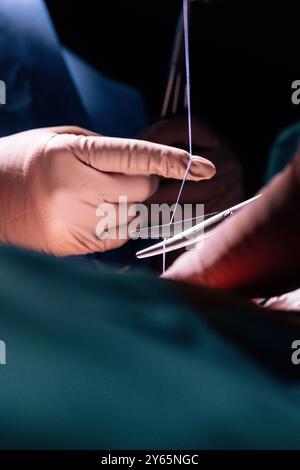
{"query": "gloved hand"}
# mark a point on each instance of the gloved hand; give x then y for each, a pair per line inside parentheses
(289, 301)
(226, 188)
(52, 180)
(256, 252)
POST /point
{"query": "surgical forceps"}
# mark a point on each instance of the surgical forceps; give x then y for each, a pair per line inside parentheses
(192, 235)
(175, 73)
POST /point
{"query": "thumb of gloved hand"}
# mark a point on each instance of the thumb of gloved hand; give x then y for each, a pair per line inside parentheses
(53, 180)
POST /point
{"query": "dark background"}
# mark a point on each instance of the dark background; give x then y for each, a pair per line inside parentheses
(244, 57)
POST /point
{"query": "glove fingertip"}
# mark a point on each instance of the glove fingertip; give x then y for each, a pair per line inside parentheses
(201, 168)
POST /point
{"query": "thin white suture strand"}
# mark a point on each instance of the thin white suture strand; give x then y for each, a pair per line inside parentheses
(187, 69)
(188, 99)
(164, 255)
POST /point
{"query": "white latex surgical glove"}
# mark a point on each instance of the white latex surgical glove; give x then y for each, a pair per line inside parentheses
(52, 180)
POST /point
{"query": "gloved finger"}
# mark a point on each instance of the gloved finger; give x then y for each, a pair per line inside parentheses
(172, 131)
(182, 268)
(137, 157)
(114, 224)
(83, 242)
(91, 228)
(137, 188)
(289, 301)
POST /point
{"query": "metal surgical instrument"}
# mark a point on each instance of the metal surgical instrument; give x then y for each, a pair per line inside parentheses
(192, 235)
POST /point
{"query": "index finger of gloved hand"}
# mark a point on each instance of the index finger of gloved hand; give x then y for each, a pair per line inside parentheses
(138, 157)
(175, 130)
